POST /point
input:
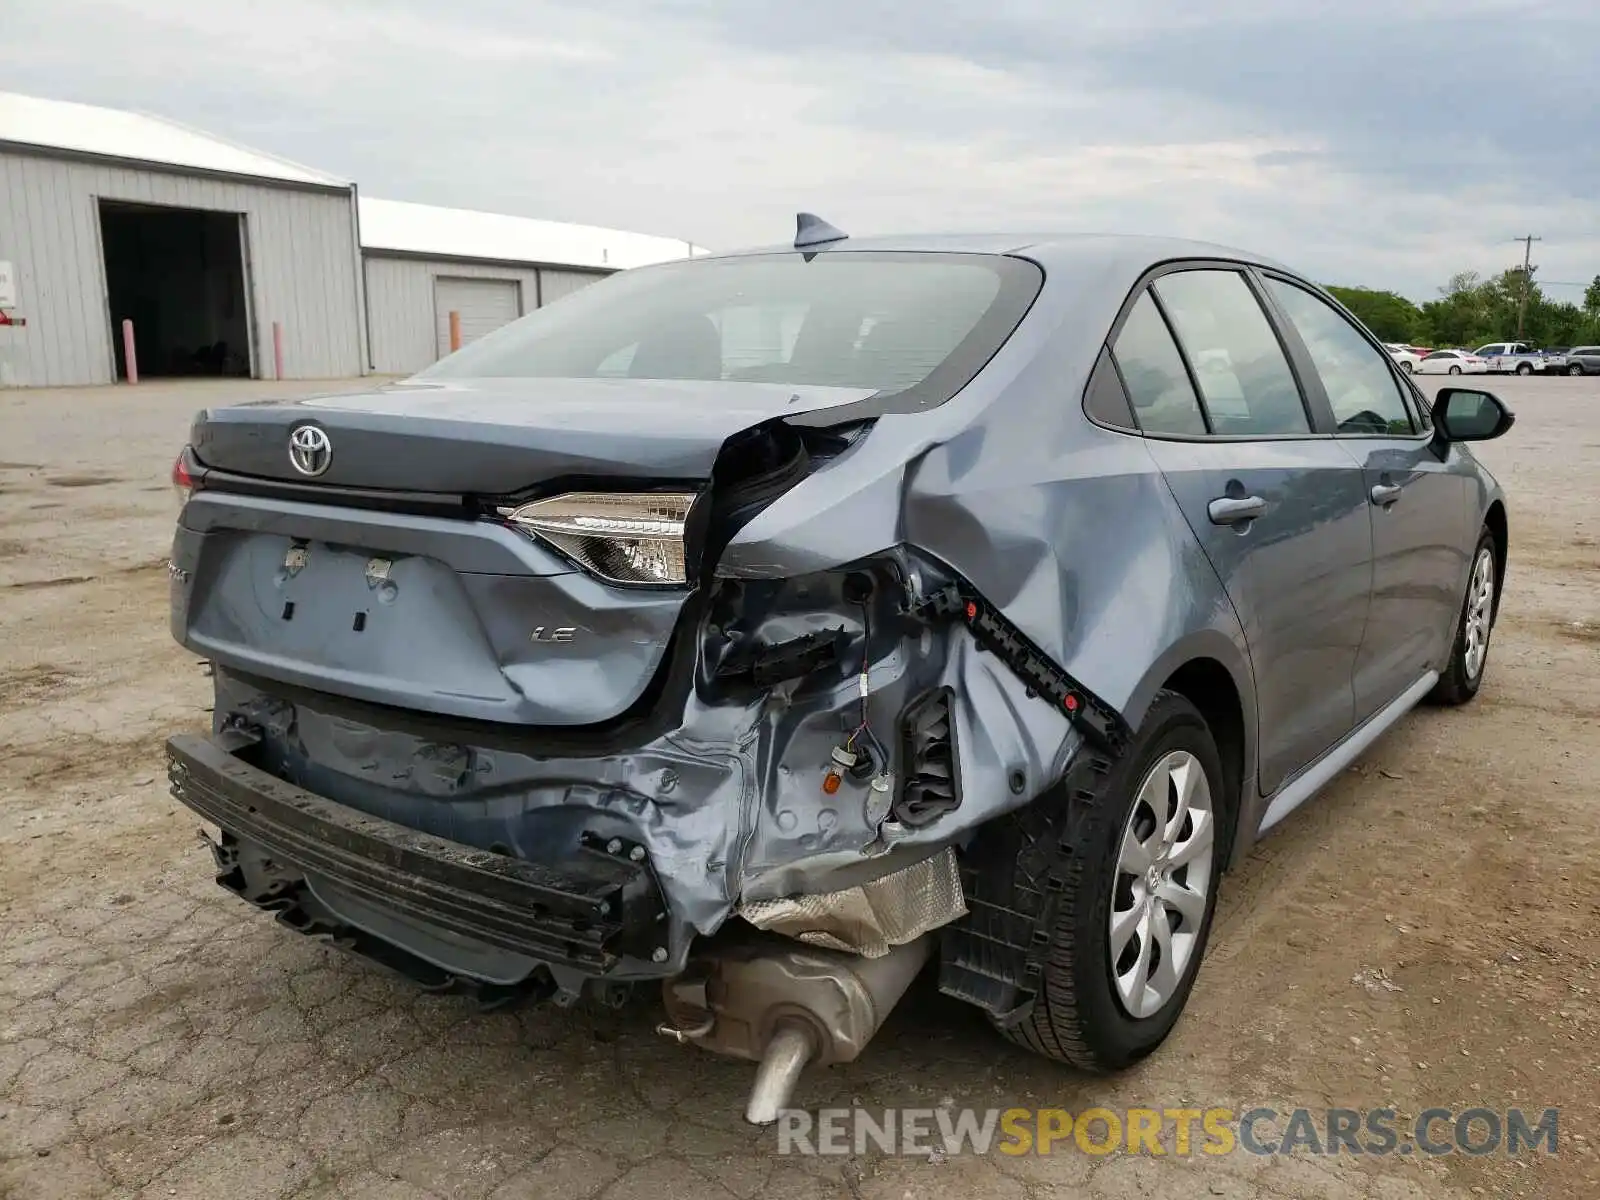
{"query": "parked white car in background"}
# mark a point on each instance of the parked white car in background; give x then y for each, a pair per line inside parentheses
(1404, 355)
(1453, 362)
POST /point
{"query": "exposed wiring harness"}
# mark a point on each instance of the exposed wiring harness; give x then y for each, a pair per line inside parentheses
(862, 755)
(875, 748)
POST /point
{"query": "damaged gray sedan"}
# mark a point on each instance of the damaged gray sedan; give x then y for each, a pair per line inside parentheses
(768, 627)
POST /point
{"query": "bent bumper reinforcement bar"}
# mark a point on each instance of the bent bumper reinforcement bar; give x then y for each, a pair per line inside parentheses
(598, 906)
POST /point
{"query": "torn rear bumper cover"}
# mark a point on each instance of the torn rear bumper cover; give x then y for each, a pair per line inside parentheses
(471, 912)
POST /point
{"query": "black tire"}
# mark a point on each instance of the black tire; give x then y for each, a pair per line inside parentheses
(1458, 684)
(1455, 370)
(1524, 368)
(1575, 369)
(1077, 1016)
(1407, 368)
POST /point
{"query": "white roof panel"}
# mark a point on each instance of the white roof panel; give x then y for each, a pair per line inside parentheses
(424, 229)
(87, 129)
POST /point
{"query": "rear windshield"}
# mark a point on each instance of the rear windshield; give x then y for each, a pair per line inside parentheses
(914, 326)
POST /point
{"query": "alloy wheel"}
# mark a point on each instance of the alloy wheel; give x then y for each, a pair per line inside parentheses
(1480, 612)
(1162, 883)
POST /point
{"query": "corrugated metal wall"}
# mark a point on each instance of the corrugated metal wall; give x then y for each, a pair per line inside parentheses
(557, 284)
(302, 268)
(400, 305)
(481, 306)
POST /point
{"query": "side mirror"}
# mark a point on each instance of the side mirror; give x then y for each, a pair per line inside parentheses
(1469, 415)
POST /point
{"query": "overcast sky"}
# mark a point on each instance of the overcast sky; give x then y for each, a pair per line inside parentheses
(1388, 143)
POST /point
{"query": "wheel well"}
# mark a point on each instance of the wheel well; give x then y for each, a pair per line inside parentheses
(1495, 519)
(1206, 684)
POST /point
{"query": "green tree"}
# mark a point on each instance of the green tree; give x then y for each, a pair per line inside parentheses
(1463, 314)
(1564, 324)
(1505, 298)
(1471, 310)
(1546, 322)
(1391, 317)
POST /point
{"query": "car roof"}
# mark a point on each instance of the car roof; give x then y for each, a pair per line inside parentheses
(1090, 251)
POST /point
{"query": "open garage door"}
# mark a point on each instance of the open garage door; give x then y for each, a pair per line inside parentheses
(484, 306)
(178, 275)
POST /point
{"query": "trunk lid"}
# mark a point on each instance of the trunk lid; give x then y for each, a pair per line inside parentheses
(500, 436)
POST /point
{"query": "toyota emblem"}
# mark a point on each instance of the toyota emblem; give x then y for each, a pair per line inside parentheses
(310, 451)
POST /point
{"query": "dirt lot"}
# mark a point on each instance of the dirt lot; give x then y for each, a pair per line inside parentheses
(159, 1038)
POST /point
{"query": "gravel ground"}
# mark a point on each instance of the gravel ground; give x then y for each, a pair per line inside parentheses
(1423, 935)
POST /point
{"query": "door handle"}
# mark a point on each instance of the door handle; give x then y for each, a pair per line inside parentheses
(1231, 510)
(1386, 494)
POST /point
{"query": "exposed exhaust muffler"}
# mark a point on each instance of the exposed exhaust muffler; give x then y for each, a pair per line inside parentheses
(784, 1005)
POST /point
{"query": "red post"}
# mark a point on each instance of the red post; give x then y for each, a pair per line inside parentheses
(455, 332)
(277, 350)
(129, 358)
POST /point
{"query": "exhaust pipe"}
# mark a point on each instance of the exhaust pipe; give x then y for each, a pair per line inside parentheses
(784, 1005)
(778, 1074)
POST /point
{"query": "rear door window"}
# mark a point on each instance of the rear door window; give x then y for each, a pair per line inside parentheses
(1158, 385)
(1361, 384)
(1245, 380)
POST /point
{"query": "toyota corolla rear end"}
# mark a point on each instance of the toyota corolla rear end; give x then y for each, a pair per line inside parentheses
(497, 706)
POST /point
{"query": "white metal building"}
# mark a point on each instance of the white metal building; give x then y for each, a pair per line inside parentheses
(205, 246)
(228, 261)
(423, 263)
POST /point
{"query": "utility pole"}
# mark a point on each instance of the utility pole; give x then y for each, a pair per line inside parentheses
(1527, 278)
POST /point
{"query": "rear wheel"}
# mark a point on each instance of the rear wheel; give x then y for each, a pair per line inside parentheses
(1137, 890)
(1407, 368)
(1575, 369)
(1469, 656)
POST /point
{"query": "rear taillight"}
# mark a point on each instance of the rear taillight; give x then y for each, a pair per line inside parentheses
(634, 538)
(182, 481)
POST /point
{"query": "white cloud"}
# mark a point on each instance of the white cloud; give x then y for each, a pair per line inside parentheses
(1334, 137)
